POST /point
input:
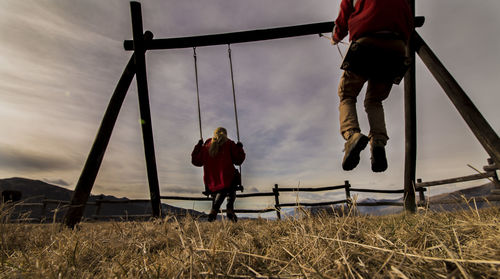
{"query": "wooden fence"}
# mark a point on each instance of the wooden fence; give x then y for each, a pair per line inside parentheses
(420, 187)
(61, 205)
(490, 172)
(277, 190)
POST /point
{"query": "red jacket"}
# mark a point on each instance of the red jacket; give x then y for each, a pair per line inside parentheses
(372, 16)
(218, 171)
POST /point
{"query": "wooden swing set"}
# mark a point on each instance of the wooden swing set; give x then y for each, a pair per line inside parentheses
(143, 41)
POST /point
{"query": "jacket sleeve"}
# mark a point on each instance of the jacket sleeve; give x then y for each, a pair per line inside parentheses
(237, 153)
(341, 27)
(197, 155)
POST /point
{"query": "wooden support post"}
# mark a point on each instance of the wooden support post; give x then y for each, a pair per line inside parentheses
(410, 129)
(94, 160)
(474, 119)
(142, 89)
(348, 194)
(277, 201)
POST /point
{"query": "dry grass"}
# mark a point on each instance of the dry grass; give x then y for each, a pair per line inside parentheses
(425, 245)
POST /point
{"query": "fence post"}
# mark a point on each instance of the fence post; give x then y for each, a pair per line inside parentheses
(277, 201)
(421, 192)
(348, 194)
(496, 181)
(44, 207)
(98, 205)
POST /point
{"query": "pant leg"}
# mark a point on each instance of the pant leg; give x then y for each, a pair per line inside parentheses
(349, 87)
(376, 93)
(218, 200)
(231, 197)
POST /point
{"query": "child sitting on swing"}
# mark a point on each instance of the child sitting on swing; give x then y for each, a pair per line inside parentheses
(218, 155)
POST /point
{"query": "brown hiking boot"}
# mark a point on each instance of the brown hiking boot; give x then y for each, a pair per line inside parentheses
(354, 145)
(379, 160)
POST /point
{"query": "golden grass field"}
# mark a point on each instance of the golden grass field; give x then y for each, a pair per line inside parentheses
(464, 244)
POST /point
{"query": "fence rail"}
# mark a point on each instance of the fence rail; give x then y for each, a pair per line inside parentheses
(255, 195)
(319, 189)
(313, 204)
(379, 203)
(265, 210)
(455, 180)
(122, 217)
(378, 191)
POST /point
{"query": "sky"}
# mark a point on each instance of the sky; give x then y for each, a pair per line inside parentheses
(60, 61)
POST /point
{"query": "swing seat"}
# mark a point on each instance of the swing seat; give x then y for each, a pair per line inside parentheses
(375, 63)
(206, 193)
(209, 193)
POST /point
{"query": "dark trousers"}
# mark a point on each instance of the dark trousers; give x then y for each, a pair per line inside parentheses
(219, 197)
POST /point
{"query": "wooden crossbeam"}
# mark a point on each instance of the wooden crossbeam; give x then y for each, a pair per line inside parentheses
(243, 36)
(236, 37)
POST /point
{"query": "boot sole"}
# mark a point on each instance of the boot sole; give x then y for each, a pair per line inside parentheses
(379, 160)
(352, 159)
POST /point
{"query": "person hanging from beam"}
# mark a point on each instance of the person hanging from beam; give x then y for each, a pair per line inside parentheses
(217, 156)
(379, 31)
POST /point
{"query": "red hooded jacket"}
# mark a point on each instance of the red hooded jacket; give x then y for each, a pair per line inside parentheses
(218, 171)
(371, 16)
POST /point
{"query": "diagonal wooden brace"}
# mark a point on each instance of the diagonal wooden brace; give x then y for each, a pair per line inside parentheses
(472, 116)
(94, 159)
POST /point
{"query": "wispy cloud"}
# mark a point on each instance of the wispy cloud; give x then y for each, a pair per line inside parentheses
(60, 62)
(60, 182)
(32, 161)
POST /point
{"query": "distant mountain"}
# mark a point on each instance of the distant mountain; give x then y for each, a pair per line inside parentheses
(473, 192)
(35, 191)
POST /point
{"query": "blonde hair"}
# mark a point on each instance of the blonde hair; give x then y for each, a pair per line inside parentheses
(219, 138)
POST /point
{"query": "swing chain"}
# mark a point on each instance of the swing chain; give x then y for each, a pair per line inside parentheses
(338, 48)
(337, 44)
(197, 90)
(234, 100)
(234, 92)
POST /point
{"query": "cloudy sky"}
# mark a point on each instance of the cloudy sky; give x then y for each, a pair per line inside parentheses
(60, 62)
